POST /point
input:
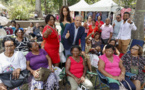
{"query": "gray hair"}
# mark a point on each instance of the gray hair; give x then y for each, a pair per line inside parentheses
(79, 16)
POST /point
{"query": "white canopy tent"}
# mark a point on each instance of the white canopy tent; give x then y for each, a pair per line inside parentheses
(79, 6)
(103, 6)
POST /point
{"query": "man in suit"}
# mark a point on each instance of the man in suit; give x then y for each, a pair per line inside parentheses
(72, 34)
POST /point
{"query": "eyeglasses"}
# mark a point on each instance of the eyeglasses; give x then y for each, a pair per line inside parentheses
(134, 49)
(9, 46)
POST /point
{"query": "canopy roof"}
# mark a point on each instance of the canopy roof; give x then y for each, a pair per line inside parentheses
(79, 6)
(102, 5)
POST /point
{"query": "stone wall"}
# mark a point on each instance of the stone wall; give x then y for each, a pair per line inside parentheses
(25, 24)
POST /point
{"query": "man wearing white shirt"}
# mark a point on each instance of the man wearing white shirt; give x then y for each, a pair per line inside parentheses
(124, 35)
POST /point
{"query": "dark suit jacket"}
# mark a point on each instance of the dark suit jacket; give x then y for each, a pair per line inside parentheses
(80, 35)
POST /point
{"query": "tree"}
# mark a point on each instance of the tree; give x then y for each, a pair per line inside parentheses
(139, 20)
(38, 8)
(63, 2)
(45, 6)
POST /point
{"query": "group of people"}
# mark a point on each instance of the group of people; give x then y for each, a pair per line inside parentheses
(79, 41)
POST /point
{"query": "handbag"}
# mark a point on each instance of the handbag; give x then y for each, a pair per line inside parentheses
(134, 69)
(94, 60)
(43, 74)
(11, 83)
(121, 87)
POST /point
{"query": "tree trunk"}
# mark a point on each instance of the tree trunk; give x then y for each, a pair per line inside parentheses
(63, 2)
(66, 3)
(31, 2)
(139, 20)
(38, 8)
(45, 7)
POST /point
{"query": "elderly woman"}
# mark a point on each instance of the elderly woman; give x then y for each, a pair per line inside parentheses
(51, 38)
(136, 60)
(21, 42)
(11, 60)
(76, 70)
(111, 66)
(37, 58)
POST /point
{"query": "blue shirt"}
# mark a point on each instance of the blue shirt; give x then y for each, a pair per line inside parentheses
(116, 28)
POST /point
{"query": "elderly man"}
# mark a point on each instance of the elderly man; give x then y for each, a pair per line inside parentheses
(124, 35)
(107, 31)
(72, 34)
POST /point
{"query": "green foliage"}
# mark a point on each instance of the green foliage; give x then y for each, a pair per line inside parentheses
(128, 3)
(20, 10)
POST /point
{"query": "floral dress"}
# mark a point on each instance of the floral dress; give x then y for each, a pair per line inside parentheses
(136, 61)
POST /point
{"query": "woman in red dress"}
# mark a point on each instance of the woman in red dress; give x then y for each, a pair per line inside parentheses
(93, 29)
(51, 38)
(99, 23)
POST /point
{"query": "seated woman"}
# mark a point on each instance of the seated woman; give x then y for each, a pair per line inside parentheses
(112, 42)
(11, 60)
(111, 66)
(96, 41)
(76, 70)
(135, 59)
(21, 42)
(37, 58)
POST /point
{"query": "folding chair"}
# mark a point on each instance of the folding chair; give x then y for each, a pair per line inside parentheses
(104, 79)
(134, 42)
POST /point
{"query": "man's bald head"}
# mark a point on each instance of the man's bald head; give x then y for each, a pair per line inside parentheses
(107, 21)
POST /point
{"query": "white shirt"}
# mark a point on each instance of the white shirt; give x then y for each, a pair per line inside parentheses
(125, 30)
(75, 35)
(17, 61)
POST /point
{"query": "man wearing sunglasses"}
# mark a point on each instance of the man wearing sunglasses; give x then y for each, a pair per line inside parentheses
(116, 26)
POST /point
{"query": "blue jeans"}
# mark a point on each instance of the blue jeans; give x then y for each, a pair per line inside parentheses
(67, 52)
(115, 86)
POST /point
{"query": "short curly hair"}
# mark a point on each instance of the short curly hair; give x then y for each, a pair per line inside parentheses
(8, 39)
(48, 18)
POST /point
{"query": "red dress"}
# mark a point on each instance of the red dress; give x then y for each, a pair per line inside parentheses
(101, 23)
(91, 30)
(52, 45)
